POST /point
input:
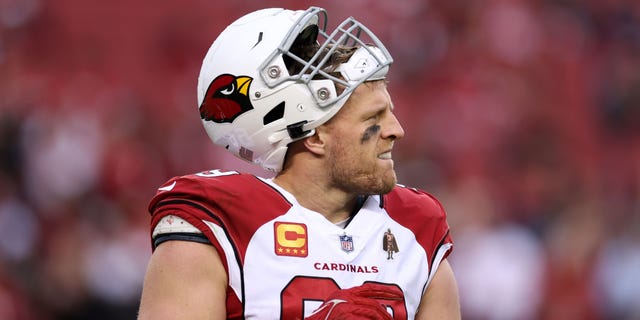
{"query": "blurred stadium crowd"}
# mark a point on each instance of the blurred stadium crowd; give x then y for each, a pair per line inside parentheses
(522, 116)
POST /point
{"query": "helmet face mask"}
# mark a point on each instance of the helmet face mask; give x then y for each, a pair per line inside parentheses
(250, 103)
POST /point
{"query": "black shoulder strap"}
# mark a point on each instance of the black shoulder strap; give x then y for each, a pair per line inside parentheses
(183, 236)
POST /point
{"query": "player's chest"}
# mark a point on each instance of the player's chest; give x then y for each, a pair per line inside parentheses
(372, 245)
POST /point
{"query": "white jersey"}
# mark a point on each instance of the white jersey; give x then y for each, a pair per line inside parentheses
(283, 260)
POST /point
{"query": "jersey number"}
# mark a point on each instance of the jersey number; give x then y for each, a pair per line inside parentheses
(302, 289)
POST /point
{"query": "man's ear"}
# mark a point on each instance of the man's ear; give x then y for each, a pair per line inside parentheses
(316, 142)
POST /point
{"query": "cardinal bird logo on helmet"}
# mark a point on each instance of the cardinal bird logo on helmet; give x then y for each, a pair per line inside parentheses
(227, 97)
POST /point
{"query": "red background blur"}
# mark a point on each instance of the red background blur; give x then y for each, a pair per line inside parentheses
(523, 117)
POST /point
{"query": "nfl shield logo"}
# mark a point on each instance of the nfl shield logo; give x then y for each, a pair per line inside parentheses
(346, 243)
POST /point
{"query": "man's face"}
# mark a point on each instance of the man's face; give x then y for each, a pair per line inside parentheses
(360, 139)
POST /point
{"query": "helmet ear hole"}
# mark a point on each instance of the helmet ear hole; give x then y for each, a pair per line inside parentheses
(308, 36)
(274, 114)
(304, 47)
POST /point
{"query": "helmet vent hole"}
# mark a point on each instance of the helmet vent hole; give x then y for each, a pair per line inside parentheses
(274, 114)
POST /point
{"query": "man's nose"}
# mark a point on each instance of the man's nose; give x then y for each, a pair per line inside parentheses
(393, 129)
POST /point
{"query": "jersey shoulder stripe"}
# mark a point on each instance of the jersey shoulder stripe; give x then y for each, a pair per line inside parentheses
(239, 203)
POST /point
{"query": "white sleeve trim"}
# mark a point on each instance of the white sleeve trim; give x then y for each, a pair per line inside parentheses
(436, 261)
(174, 224)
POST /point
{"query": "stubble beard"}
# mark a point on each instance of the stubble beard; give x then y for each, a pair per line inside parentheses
(361, 181)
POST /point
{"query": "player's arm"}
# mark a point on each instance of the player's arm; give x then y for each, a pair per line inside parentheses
(441, 300)
(184, 280)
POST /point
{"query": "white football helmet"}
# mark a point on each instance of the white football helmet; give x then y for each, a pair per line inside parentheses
(252, 106)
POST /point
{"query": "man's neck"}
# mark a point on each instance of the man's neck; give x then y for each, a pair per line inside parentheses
(314, 193)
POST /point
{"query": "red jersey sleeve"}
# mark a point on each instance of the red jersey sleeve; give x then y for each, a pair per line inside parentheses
(237, 203)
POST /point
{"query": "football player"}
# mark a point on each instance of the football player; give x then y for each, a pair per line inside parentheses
(279, 90)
